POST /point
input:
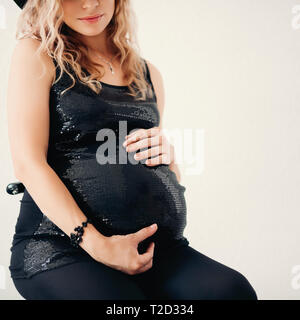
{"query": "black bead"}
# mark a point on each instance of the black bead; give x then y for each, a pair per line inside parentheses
(77, 238)
(73, 236)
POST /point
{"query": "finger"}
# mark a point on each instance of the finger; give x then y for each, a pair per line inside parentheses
(143, 133)
(131, 145)
(129, 141)
(132, 133)
(161, 159)
(145, 232)
(141, 143)
(139, 134)
(147, 256)
(146, 267)
(147, 153)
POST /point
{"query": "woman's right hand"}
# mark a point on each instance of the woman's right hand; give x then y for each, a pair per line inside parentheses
(121, 251)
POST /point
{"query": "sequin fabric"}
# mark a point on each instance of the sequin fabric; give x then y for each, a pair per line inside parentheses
(119, 194)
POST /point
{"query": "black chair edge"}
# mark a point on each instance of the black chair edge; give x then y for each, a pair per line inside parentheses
(15, 188)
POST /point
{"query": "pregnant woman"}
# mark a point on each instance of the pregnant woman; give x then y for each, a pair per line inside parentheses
(96, 221)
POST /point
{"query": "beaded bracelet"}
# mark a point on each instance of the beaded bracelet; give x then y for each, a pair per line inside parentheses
(77, 238)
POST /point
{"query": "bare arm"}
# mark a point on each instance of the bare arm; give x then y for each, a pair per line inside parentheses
(28, 130)
(158, 85)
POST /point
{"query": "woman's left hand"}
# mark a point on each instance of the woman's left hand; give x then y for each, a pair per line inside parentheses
(160, 148)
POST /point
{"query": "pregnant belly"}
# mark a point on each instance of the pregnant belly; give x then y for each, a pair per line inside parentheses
(123, 198)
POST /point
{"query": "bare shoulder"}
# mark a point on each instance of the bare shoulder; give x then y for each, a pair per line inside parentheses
(155, 74)
(24, 57)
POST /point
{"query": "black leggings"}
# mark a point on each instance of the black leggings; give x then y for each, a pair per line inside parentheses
(182, 273)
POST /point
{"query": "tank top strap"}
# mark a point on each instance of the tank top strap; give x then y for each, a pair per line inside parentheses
(57, 68)
(148, 77)
(54, 61)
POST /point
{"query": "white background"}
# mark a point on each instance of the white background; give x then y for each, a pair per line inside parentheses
(230, 68)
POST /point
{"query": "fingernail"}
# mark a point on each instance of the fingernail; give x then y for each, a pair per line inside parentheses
(153, 225)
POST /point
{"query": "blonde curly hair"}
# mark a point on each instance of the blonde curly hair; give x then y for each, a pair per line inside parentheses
(43, 20)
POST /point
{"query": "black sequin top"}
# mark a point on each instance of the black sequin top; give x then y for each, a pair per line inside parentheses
(120, 194)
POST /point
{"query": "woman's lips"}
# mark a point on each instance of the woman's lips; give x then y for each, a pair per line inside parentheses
(92, 20)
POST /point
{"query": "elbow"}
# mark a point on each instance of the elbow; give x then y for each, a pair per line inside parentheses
(19, 171)
(25, 169)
